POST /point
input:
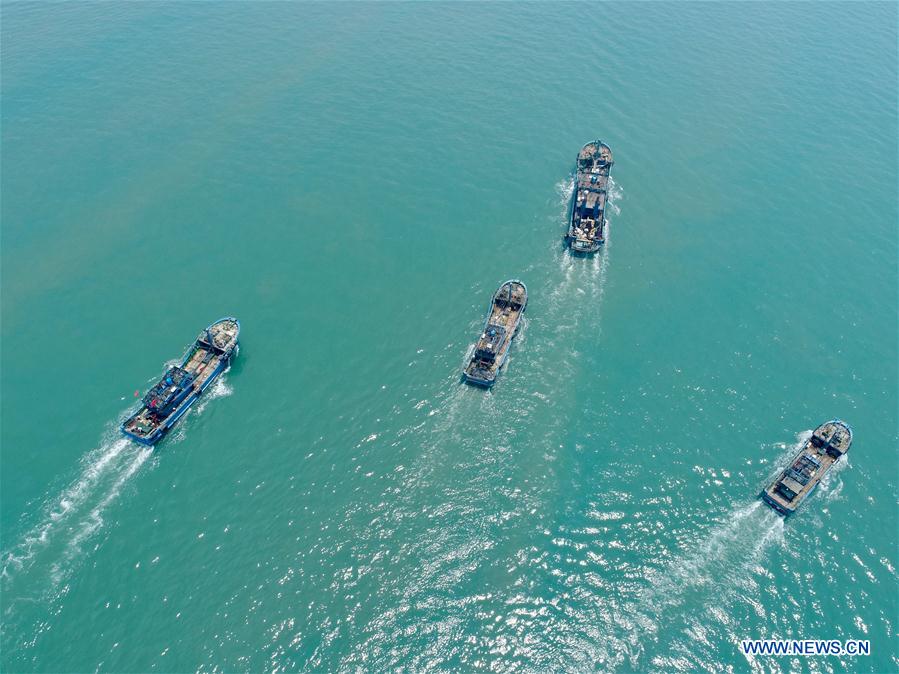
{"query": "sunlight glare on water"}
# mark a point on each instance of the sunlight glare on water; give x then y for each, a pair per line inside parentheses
(353, 181)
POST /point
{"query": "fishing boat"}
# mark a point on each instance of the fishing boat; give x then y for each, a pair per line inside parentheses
(183, 384)
(492, 348)
(829, 442)
(587, 225)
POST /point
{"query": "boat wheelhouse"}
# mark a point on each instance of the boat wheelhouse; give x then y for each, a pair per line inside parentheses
(170, 398)
(587, 225)
(503, 320)
(819, 453)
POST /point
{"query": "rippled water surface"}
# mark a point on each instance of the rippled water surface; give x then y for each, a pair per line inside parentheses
(353, 181)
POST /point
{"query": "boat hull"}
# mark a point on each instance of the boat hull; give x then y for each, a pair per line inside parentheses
(785, 495)
(584, 248)
(148, 426)
(179, 412)
(775, 506)
(781, 509)
(485, 382)
(485, 376)
(586, 213)
(477, 381)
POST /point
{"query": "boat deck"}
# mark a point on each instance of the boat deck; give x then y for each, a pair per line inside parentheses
(828, 443)
(202, 364)
(587, 225)
(597, 151)
(215, 344)
(505, 314)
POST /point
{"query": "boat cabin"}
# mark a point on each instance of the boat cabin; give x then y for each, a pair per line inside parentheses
(831, 439)
(168, 393)
(798, 475)
(490, 342)
(208, 341)
(508, 300)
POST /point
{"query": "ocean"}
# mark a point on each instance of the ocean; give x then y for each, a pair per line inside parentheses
(353, 181)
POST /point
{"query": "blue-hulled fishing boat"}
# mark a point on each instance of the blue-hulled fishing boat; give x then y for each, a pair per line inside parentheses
(183, 384)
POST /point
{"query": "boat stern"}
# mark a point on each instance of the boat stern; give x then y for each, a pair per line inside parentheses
(475, 374)
(585, 246)
(478, 380)
(775, 505)
(147, 440)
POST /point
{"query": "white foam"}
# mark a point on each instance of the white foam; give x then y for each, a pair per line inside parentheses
(721, 563)
(616, 194)
(96, 465)
(103, 471)
(94, 520)
(219, 389)
(565, 190)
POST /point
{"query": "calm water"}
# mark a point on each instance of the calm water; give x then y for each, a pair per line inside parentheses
(353, 181)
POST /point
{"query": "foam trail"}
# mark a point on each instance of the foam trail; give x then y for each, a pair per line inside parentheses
(728, 552)
(65, 521)
(219, 389)
(117, 466)
(713, 573)
(477, 433)
(457, 406)
(717, 569)
(730, 549)
(616, 194)
(89, 525)
(75, 494)
(96, 465)
(565, 190)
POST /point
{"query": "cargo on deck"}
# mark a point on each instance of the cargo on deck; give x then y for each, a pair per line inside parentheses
(587, 225)
(172, 396)
(828, 444)
(503, 320)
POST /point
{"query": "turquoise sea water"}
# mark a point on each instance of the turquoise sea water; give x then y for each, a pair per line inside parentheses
(353, 181)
